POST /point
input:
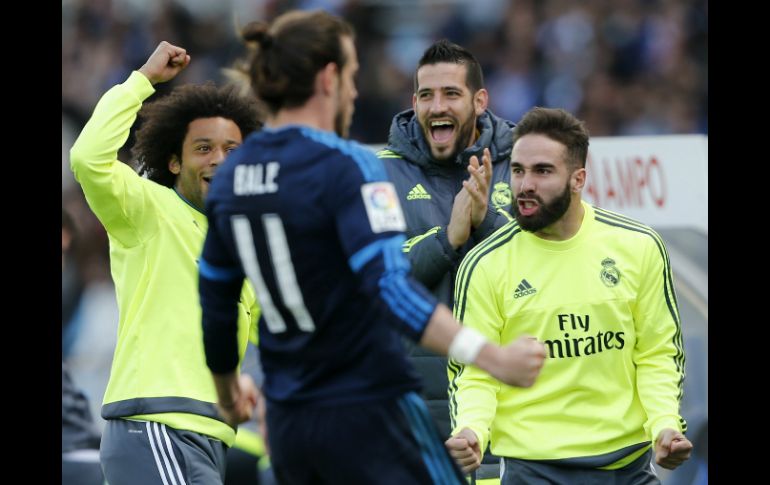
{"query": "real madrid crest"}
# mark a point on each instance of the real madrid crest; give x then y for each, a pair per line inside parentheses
(610, 274)
(501, 197)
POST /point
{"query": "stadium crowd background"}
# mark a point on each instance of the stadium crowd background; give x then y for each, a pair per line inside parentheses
(627, 67)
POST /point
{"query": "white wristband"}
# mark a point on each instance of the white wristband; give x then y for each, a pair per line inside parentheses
(466, 345)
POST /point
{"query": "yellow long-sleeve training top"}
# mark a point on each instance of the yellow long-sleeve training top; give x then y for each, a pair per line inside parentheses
(603, 303)
(159, 370)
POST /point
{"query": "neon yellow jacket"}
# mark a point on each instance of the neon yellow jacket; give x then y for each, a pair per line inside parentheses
(159, 371)
(603, 303)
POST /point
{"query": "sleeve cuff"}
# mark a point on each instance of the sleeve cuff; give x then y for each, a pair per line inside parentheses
(664, 422)
(486, 227)
(139, 85)
(481, 436)
(449, 252)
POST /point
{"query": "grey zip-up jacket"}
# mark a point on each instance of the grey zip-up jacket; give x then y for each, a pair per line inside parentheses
(78, 431)
(426, 190)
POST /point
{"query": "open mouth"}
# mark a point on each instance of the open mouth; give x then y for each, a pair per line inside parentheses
(527, 207)
(441, 131)
(208, 179)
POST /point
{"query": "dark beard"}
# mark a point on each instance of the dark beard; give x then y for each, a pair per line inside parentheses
(546, 214)
(463, 137)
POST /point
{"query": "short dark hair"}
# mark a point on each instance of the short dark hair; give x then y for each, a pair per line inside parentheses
(445, 51)
(287, 54)
(558, 125)
(165, 123)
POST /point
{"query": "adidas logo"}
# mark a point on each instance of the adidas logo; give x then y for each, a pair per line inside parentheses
(524, 289)
(417, 192)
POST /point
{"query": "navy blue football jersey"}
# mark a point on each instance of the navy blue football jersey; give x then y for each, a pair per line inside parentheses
(312, 221)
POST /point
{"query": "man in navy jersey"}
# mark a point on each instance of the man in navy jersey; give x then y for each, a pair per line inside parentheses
(313, 222)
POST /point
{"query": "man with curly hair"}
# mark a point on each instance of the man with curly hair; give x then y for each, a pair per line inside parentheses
(162, 422)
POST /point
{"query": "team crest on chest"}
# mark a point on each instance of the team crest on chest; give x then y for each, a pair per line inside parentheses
(609, 274)
(501, 196)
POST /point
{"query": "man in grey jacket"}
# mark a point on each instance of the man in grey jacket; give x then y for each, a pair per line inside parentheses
(449, 158)
(79, 436)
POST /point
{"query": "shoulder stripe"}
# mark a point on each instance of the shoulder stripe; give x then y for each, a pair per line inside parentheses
(505, 214)
(410, 307)
(371, 167)
(215, 273)
(388, 154)
(455, 369)
(621, 219)
(469, 262)
(438, 462)
(479, 247)
(614, 219)
(368, 252)
(411, 242)
(669, 293)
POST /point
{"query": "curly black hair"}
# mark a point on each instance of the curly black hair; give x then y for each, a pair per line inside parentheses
(165, 123)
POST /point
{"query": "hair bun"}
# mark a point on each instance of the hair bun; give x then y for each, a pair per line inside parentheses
(257, 32)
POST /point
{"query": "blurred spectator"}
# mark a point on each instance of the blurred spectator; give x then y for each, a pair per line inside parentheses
(649, 54)
(89, 307)
(79, 436)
